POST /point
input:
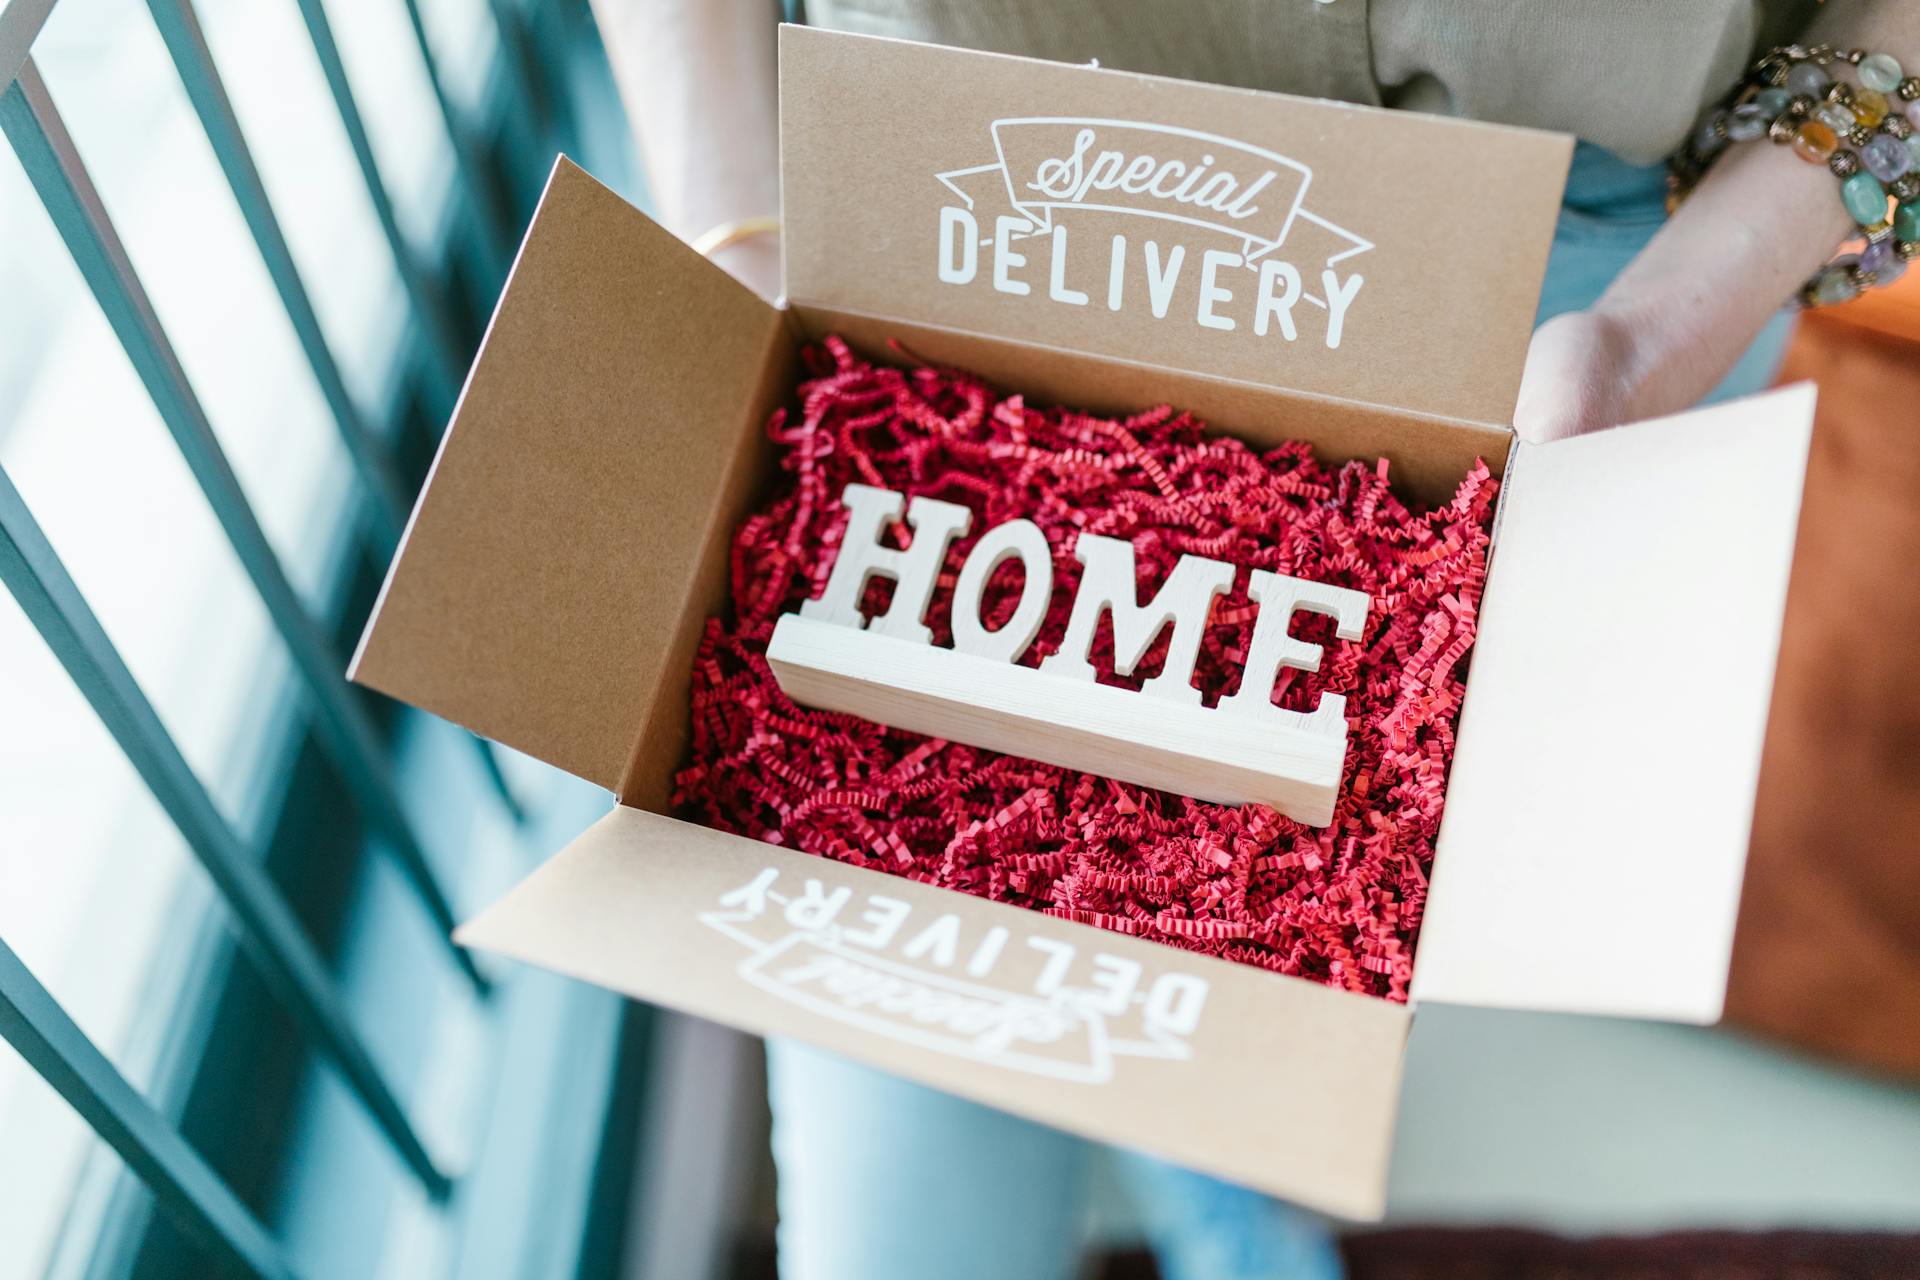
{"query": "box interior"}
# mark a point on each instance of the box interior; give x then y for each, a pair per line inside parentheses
(1437, 453)
(549, 594)
(1557, 635)
(1429, 454)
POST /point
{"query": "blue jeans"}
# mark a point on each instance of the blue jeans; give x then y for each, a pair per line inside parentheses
(885, 1180)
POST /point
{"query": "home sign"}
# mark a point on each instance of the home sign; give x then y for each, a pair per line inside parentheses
(1244, 750)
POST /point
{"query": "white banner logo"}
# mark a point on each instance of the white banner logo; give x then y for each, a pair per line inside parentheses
(1249, 193)
(1048, 167)
(1033, 1004)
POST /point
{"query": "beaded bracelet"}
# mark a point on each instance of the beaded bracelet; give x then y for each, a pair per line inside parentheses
(1791, 97)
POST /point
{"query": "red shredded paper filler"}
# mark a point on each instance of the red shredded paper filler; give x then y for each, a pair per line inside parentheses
(1339, 905)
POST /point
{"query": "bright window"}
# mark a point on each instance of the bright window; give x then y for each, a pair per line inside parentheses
(97, 890)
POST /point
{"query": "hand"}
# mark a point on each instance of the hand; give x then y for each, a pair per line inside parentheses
(1578, 378)
(1680, 315)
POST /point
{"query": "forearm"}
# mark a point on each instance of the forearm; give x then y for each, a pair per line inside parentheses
(698, 82)
(1731, 256)
(1759, 223)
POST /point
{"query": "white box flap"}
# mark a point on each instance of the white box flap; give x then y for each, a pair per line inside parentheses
(1602, 792)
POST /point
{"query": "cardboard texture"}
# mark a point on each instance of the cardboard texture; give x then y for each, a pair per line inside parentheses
(1431, 216)
(535, 597)
(574, 530)
(1091, 1031)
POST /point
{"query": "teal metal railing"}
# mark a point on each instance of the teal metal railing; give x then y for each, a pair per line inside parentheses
(180, 28)
(184, 1184)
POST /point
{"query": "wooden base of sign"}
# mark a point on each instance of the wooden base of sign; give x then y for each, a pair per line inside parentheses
(1075, 724)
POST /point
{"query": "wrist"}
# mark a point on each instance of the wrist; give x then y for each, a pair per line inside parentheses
(1629, 341)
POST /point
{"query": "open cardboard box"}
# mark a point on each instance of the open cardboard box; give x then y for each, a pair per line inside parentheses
(573, 538)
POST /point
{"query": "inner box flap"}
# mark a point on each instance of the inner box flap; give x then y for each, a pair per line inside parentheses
(1602, 793)
(1337, 251)
(538, 593)
(1275, 1082)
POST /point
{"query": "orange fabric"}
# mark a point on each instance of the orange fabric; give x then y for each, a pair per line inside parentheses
(1827, 955)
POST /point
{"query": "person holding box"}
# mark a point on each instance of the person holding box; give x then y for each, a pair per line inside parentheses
(1701, 201)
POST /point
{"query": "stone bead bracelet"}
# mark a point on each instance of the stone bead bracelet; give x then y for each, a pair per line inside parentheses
(1867, 134)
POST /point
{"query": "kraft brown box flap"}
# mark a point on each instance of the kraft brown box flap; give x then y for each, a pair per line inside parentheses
(537, 594)
(1601, 798)
(1339, 251)
(1269, 1081)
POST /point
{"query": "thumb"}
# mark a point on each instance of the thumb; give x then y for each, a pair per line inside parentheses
(1575, 379)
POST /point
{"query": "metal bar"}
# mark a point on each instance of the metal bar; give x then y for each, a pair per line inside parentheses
(497, 778)
(31, 123)
(32, 571)
(550, 43)
(33, 1022)
(522, 62)
(20, 23)
(447, 356)
(515, 112)
(487, 214)
(180, 28)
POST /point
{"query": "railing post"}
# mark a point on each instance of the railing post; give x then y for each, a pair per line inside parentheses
(446, 356)
(193, 60)
(33, 1022)
(490, 221)
(31, 570)
(31, 123)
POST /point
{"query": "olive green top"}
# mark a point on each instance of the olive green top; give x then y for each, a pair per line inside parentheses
(1628, 75)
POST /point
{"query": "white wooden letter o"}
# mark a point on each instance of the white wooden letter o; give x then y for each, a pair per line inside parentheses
(998, 545)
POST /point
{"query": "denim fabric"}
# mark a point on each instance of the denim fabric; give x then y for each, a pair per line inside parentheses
(885, 1180)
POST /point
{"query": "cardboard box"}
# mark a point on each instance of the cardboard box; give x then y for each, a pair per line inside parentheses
(572, 539)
